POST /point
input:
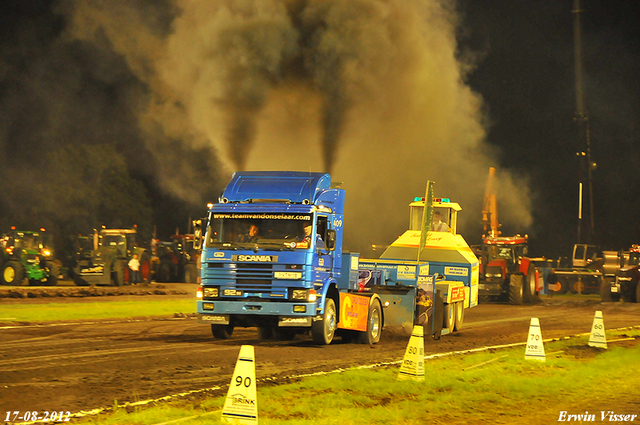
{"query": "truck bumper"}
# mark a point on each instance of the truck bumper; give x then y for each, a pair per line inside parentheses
(288, 314)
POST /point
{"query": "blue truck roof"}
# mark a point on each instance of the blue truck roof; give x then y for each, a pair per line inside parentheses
(291, 186)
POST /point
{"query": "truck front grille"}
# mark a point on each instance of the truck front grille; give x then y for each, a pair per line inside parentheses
(250, 278)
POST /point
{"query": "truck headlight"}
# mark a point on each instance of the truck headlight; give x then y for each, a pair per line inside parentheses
(300, 294)
(211, 292)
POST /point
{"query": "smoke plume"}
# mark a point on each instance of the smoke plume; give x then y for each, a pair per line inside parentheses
(372, 91)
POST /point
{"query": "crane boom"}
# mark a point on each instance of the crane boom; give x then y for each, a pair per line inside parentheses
(490, 207)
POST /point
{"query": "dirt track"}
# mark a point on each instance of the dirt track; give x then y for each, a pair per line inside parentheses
(82, 366)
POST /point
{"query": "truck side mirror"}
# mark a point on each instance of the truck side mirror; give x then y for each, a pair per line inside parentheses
(197, 234)
(331, 240)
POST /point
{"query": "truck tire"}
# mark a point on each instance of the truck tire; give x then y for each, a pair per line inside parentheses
(438, 311)
(516, 289)
(374, 325)
(459, 315)
(13, 273)
(324, 329)
(222, 331)
(529, 294)
(449, 319)
(190, 273)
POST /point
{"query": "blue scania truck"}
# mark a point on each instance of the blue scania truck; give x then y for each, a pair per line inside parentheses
(272, 258)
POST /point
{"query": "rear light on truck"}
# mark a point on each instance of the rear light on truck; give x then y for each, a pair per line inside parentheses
(199, 292)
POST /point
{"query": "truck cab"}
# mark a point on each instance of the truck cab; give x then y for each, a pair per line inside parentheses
(272, 257)
(408, 276)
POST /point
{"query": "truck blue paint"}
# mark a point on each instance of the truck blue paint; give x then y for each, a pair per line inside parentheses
(292, 275)
(282, 280)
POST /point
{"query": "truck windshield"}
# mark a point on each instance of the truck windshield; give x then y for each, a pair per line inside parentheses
(273, 231)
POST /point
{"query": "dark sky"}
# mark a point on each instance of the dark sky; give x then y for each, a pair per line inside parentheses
(528, 82)
(522, 52)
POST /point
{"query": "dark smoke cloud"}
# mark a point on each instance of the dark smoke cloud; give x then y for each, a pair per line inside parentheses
(371, 91)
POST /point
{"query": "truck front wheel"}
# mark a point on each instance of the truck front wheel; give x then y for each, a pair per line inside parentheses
(324, 329)
(222, 331)
(374, 325)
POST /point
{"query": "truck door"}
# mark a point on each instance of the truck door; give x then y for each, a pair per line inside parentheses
(324, 256)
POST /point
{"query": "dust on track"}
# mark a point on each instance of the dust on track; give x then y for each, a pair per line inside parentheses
(83, 366)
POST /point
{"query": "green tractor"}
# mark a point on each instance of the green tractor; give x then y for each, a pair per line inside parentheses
(27, 254)
(104, 258)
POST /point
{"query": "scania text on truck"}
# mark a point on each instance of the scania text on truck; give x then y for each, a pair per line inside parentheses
(272, 258)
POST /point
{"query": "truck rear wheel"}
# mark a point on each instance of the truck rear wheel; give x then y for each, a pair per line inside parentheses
(374, 325)
(516, 289)
(459, 315)
(324, 329)
(222, 331)
(449, 321)
(13, 273)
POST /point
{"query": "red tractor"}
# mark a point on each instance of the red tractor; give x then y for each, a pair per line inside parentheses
(506, 272)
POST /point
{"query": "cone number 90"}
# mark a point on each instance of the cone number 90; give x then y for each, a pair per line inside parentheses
(243, 381)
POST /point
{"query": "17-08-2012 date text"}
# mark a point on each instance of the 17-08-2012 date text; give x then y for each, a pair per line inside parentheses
(33, 416)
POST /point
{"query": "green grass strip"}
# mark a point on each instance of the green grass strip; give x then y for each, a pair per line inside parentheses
(44, 312)
(468, 388)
